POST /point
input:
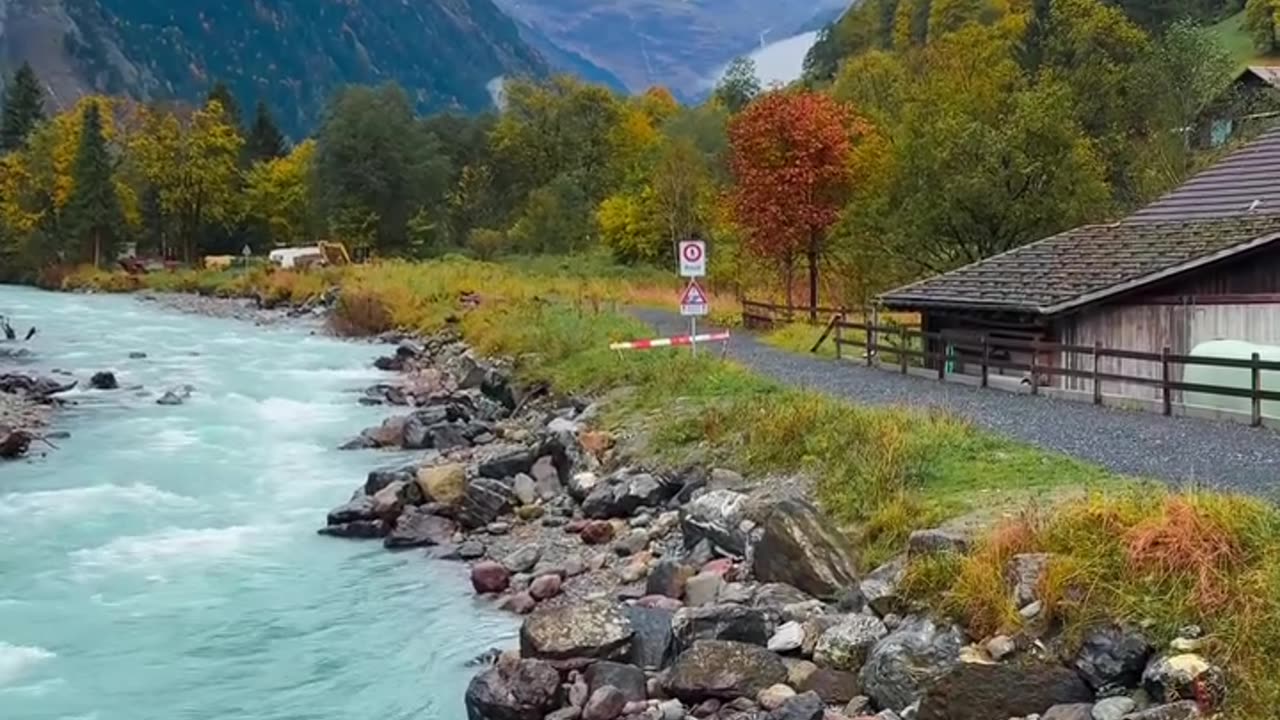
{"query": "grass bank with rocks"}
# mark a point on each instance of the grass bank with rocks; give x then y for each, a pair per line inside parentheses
(1046, 550)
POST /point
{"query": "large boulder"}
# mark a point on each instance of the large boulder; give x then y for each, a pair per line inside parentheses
(523, 690)
(484, 501)
(417, 527)
(668, 577)
(357, 529)
(880, 587)
(908, 660)
(506, 461)
(620, 495)
(546, 478)
(1185, 676)
(104, 380)
(358, 508)
(389, 434)
(938, 541)
(382, 477)
(723, 622)
(720, 517)
(976, 691)
(835, 687)
(490, 577)
(629, 679)
(798, 548)
(725, 670)
(605, 703)
(846, 645)
(652, 640)
(443, 483)
(805, 706)
(596, 629)
(1113, 656)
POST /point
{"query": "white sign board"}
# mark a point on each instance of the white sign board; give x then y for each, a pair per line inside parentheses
(693, 301)
(693, 258)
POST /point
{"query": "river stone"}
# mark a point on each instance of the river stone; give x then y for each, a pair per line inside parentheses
(597, 532)
(908, 660)
(736, 592)
(389, 501)
(443, 483)
(521, 603)
(718, 516)
(1112, 708)
(1112, 656)
(545, 587)
(789, 636)
(778, 595)
(605, 703)
(1176, 677)
(629, 679)
(652, 640)
(485, 500)
(596, 629)
(490, 577)
(506, 461)
(723, 669)
(581, 485)
(702, 589)
(417, 527)
(546, 478)
(880, 587)
(1024, 574)
(722, 622)
(622, 494)
(524, 489)
(835, 687)
(358, 508)
(357, 529)
(633, 542)
(937, 541)
(1072, 711)
(805, 706)
(523, 559)
(774, 695)
(523, 690)
(668, 577)
(799, 548)
(1182, 710)
(382, 477)
(846, 645)
(973, 691)
(169, 398)
(104, 381)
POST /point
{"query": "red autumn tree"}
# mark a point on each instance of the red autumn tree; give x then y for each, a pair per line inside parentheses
(790, 155)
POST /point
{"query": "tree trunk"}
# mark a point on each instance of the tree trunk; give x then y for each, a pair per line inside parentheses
(97, 249)
(790, 279)
(813, 278)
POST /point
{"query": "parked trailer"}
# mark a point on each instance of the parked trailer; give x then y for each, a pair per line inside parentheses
(1234, 377)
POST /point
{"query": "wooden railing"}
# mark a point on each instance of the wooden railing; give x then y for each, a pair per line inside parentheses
(904, 347)
(762, 315)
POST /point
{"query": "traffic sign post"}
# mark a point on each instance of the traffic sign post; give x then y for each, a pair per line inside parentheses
(693, 258)
(693, 304)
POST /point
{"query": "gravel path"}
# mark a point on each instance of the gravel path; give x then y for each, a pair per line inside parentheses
(1178, 450)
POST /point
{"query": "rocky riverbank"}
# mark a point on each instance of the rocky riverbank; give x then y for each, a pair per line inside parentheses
(657, 593)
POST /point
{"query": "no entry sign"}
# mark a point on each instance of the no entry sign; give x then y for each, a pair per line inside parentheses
(693, 258)
(693, 301)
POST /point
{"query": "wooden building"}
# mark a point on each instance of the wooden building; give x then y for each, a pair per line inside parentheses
(1200, 264)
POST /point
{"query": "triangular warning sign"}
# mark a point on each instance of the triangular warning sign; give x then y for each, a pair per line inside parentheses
(693, 294)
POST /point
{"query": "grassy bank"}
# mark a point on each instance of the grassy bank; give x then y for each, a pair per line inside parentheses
(1120, 549)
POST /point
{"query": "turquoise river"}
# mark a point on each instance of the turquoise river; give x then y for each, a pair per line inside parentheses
(163, 563)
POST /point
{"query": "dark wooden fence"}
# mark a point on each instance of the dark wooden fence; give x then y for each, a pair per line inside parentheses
(762, 315)
(905, 346)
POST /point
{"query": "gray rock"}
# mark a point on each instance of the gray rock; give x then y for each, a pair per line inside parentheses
(702, 589)
(671, 710)
(484, 501)
(719, 669)
(1001, 647)
(858, 706)
(623, 493)
(104, 381)
(773, 696)
(652, 639)
(1182, 710)
(1188, 676)
(523, 690)
(723, 479)
(605, 703)
(357, 529)
(506, 461)
(358, 508)
(908, 660)
(1073, 711)
(973, 691)
(937, 541)
(788, 637)
(1113, 656)
(581, 485)
(778, 595)
(524, 489)
(169, 398)
(880, 587)
(1113, 708)
(378, 479)
(566, 713)
(846, 645)
(417, 527)
(596, 629)
(628, 679)
(546, 478)
(835, 687)
(470, 550)
(736, 592)
(523, 559)
(633, 542)
(798, 547)
(805, 706)
(720, 517)
(722, 622)
(1025, 573)
(668, 577)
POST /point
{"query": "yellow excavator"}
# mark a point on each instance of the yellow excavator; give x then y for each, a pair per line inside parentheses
(335, 253)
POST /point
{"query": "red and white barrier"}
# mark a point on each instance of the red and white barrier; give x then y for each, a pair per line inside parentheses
(677, 341)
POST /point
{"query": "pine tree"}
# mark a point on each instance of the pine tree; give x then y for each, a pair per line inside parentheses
(230, 108)
(23, 108)
(265, 141)
(93, 212)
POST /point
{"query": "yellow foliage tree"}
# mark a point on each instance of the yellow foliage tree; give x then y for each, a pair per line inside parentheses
(277, 195)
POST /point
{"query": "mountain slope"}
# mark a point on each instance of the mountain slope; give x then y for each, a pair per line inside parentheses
(293, 53)
(678, 43)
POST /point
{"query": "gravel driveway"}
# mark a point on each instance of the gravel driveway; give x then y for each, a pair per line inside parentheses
(1180, 451)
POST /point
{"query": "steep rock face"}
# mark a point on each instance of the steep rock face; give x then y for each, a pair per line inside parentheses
(293, 53)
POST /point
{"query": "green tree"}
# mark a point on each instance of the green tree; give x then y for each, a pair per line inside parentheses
(93, 213)
(265, 142)
(1260, 19)
(222, 95)
(739, 85)
(23, 108)
(376, 167)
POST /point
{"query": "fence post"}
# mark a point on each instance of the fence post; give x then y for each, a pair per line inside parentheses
(839, 334)
(1255, 382)
(1035, 367)
(986, 359)
(942, 357)
(902, 346)
(1097, 382)
(1166, 394)
(872, 321)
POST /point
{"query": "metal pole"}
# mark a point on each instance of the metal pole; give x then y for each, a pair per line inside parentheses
(986, 360)
(1097, 382)
(1166, 394)
(1255, 381)
(693, 335)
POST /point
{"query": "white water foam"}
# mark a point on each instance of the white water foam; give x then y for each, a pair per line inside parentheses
(143, 553)
(75, 502)
(18, 660)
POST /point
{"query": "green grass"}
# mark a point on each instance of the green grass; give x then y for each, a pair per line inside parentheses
(1235, 39)
(800, 338)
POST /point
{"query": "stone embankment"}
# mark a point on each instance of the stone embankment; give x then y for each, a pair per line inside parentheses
(659, 595)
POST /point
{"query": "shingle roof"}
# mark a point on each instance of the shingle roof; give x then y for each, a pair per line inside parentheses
(1087, 264)
(1269, 74)
(1244, 181)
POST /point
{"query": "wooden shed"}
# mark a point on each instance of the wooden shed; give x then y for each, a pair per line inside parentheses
(1200, 264)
